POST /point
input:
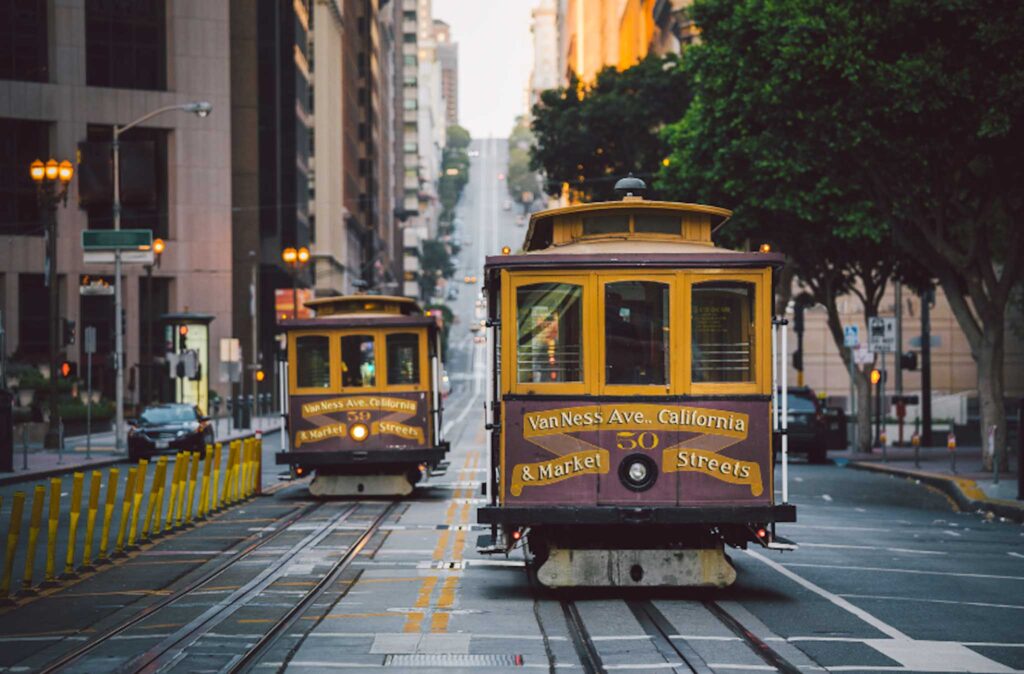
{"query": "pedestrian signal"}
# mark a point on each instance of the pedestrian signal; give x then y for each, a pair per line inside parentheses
(182, 338)
(68, 370)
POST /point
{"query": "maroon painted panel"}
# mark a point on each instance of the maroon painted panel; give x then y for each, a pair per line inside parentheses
(323, 423)
(706, 452)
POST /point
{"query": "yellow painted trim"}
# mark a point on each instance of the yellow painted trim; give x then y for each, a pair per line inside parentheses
(293, 370)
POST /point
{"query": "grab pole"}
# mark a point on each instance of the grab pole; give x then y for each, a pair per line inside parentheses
(785, 414)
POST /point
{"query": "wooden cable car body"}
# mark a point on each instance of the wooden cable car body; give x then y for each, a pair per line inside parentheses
(364, 404)
(631, 427)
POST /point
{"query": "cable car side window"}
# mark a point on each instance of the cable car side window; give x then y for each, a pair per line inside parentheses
(636, 332)
(313, 361)
(614, 223)
(723, 330)
(549, 318)
(403, 358)
(358, 361)
(657, 223)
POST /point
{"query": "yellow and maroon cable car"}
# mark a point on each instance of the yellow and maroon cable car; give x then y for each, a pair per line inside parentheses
(632, 420)
(364, 405)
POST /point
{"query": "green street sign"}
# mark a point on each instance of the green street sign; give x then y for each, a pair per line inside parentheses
(117, 239)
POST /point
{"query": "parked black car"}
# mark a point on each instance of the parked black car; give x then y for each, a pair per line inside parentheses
(813, 428)
(169, 427)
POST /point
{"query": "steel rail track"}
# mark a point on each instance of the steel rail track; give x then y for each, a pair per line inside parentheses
(258, 540)
(763, 650)
(590, 659)
(172, 648)
(280, 628)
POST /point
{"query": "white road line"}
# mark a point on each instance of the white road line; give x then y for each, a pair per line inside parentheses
(1015, 554)
(836, 527)
(916, 572)
(879, 625)
(840, 546)
(622, 637)
(758, 668)
(662, 665)
(933, 601)
(458, 420)
(951, 533)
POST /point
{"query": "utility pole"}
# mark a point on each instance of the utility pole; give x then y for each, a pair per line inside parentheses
(899, 339)
(927, 297)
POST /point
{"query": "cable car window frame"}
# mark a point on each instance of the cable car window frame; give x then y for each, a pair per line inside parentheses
(293, 360)
(671, 281)
(422, 336)
(510, 310)
(575, 223)
(760, 382)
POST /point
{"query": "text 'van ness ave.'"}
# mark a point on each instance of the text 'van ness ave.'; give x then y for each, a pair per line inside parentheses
(639, 416)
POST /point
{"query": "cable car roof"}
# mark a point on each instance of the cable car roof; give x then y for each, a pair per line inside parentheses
(389, 305)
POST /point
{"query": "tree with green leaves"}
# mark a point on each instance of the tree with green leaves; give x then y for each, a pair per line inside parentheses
(522, 181)
(435, 264)
(761, 137)
(589, 137)
(454, 173)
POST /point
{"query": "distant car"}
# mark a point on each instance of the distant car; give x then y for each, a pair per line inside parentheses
(507, 205)
(813, 429)
(452, 293)
(470, 279)
(169, 427)
(520, 220)
(479, 339)
(446, 383)
(474, 153)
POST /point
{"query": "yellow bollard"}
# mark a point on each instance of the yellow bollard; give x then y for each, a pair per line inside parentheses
(179, 506)
(76, 510)
(13, 531)
(169, 518)
(108, 513)
(257, 486)
(193, 472)
(204, 488)
(140, 485)
(90, 520)
(155, 492)
(236, 470)
(161, 486)
(50, 578)
(126, 509)
(244, 472)
(34, 524)
(217, 494)
(228, 465)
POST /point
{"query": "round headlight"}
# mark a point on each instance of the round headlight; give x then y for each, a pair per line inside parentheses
(359, 432)
(638, 472)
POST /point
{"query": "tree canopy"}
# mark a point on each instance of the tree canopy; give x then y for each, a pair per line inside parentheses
(589, 137)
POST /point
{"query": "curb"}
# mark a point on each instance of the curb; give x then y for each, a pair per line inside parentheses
(965, 493)
(9, 480)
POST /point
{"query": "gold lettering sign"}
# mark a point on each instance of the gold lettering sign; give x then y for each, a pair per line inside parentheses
(369, 403)
(589, 462)
(641, 416)
(733, 471)
(395, 428)
(319, 434)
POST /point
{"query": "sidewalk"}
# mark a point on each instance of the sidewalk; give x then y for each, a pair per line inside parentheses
(972, 488)
(43, 463)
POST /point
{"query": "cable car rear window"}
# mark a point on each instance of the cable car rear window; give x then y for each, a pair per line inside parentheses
(636, 332)
(313, 356)
(358, 361)
(550, 338)
(605, 224)
(403, 358)
(722, 315)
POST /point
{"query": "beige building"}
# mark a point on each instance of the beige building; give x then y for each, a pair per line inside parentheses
(91, 72)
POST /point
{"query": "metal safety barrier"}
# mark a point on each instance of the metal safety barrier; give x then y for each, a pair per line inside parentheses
(191, 495)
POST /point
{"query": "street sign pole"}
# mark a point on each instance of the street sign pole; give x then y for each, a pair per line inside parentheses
(853, 402)
(118, 336)
(90, 348)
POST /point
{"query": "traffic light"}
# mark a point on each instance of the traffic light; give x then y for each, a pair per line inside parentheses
(260, 375)
(68, 336)
(908, 360)
(876, 376)
(68, 369)
(182, 338)
(798, 360)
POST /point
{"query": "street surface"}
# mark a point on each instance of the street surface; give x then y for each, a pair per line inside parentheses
(887, 576)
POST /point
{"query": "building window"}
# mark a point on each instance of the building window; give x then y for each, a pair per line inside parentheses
(33, 317)
(549, 324)
(21, 142)
(313, 356)
(409, 104)
(24, 41)
(722, 313)
(126, 44)
(409, 59)
(144, 185)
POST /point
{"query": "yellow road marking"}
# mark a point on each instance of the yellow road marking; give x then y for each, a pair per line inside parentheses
(248, 621)
(130, 593)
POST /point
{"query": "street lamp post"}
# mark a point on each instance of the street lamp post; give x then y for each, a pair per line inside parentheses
(295, 259)
(158, 248)
(52, 180)
(201, 109)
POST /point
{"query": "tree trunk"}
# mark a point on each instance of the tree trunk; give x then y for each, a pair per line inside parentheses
(989, 358)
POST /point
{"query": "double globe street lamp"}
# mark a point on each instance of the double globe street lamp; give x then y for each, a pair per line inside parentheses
(296, 259)
(52, 180)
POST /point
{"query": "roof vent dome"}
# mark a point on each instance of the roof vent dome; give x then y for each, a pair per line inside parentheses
(630, 186)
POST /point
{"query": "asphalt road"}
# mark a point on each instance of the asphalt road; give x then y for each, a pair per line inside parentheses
(887, 576)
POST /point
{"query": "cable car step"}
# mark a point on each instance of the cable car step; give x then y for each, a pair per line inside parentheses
(780, 543)
(485, 545)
